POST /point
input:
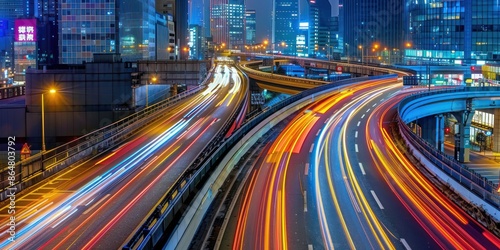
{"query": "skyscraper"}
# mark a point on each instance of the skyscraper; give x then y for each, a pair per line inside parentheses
(250, 26)
(286, 24)
(196, 12)
(48, 36)
(373, 22)
(304, 27)
(453, 32)
(137, 29)
(179, 10)
(228, 22)
(87, 28)
(9, 11)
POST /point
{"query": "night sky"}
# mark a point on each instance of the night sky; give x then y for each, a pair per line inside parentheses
(263, 11)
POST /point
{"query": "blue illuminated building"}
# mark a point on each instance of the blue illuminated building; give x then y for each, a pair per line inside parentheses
(286, 24)
(454, 32)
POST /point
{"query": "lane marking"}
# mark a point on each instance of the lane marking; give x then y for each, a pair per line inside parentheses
(306, 170)
(150, 162)
(305, 201)
(356, 134)
(311, 149)
(356, 146)
(359, 123)
(363, 116)
(310, 247)
(405, 244)
(57, 224)
(368, 110)
(376, 199)
(92, 207)
(374, 105)
(317, 133)
(362, 169)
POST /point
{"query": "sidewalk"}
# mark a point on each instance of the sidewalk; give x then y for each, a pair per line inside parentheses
(485, 163)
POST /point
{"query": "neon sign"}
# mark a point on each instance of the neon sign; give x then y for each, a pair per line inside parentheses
(25, 30)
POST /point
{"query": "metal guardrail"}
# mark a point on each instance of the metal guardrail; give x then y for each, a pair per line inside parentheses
(459, 172)
(176, 191)
(309, 83)
(178, 198)
(374, 67)
(30, 171)
(277, 76)
(12, 91)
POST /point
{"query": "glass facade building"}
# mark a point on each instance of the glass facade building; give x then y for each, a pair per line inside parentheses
(303, 27)
(491, 72)
(179, 10)
(196, 12)
(373, 22)
(9, 11)
(250, 26)
(454, 32)
(227, 24)
(286, 24)
(137, 29)
(48, 37)
(87, 28)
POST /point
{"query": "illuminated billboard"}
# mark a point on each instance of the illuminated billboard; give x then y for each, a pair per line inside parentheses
(301, 40)
(303, 25)
(25, 30)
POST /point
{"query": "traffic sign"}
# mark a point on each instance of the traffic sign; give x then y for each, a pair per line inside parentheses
(339, 68)
(25, 150)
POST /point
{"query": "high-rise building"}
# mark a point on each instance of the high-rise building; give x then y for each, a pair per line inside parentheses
(343, 46)
(9, 11)
(196, 12)
(286, 24)
(373, 23)
(48, 36)
(196, 42)
(250, 26)
(453, 32)
(197, 37)
(227, 24)
(303, 27)
(179, 10)
(87, 28)
(137, 30)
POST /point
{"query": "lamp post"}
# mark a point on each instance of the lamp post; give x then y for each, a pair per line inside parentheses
(347, 52)
(153, 80)
(408, 45)
(52, 91)
(362, 53)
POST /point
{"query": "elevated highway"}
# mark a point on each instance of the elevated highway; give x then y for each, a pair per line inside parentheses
(294, 85)
(426, 109)
(449, 101)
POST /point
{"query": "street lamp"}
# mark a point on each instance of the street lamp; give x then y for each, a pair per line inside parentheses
(362, 53)
(51, 91)
(153, 80)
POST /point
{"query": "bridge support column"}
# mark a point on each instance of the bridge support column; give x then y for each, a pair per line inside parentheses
(439, 132)
(428, 129)
(464, 120)
(496, 131)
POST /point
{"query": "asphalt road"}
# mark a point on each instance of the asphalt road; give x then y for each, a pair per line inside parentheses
(98, 204)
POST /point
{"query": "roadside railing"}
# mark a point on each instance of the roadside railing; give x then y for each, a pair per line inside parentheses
(162, 220)
(183, 180)
(448, 164)
(38, 167)
(12, 91)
